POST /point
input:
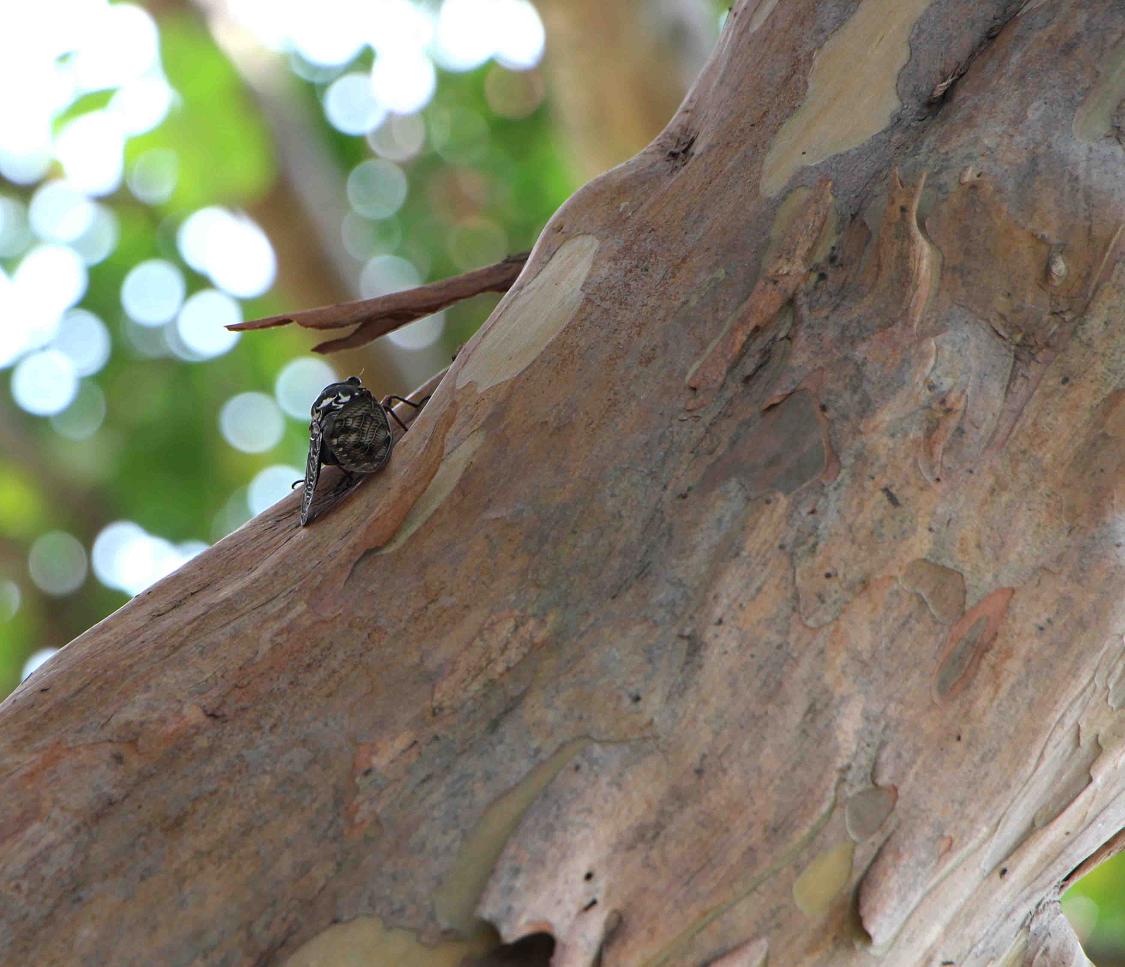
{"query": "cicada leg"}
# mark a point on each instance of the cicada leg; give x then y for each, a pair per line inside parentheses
(388, 400)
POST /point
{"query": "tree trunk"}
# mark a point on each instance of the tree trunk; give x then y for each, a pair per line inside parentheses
(751, 586)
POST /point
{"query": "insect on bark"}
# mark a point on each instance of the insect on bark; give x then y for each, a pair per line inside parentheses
(349, 430)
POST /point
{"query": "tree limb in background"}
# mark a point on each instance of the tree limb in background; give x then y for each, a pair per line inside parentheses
(647, 54)
(386, 313)
(307, 204)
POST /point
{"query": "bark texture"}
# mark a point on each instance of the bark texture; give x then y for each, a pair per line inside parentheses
(751, 587)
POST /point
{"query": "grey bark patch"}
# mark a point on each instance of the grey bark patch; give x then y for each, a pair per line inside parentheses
(782, 449)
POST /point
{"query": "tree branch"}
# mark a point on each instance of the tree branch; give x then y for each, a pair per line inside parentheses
(376, 317)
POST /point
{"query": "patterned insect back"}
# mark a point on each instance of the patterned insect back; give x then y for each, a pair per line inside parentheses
(349, 429)
(358, 436)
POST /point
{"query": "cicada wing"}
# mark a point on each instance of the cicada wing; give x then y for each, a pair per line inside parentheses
(312, 471)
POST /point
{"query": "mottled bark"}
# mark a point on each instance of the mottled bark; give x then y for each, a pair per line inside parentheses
(750, 588)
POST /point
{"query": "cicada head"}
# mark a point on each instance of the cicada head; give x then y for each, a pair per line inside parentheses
(336, 396)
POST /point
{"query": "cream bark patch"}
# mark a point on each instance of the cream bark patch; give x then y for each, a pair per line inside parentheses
(530, 318)
(452, 466)
(824, 879)
(761, 13)
(366, 942)
(455, 901)
(852, 90)
(793, 207)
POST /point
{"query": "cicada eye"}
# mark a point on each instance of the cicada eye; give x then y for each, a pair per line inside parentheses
(354, 380)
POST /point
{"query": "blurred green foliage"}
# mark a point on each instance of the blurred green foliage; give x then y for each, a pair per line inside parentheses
(1096, 908)
(217, 133)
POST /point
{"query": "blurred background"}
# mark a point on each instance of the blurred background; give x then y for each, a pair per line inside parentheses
(168, 168)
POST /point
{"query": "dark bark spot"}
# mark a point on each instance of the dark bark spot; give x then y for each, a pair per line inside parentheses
(534, 950)
(680, 152)
(782, 450)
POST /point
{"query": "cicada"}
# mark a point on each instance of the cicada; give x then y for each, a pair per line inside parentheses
(350, 430)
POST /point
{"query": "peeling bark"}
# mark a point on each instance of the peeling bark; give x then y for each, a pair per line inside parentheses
(821, 665)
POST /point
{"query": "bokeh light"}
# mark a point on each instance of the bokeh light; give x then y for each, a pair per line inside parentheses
(84, 339)
(520, 36)
(385, 274)
(44, 382)
(459, 137)
(271, 485)
(91, 149)
(202, 321)
(141, 177)
(299, 384)
(230, 249)
(85, 415)
(118, 42)
(350, 105)
(128, 558)
(59, 212)
(407, 38)
(48, 281)
(323, 32)
(464, 35)
(469, 32)
(141, 104)
(14, 230)
(376, 188)
(153, 292)
(399, 138)
(403, 81)
(57, 563)
(152, 177)
(36, 660)
(149, 342)
(10, 598)
(100, 238)
(251, 422)
(419, 334)
(399, 25)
